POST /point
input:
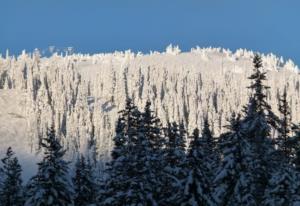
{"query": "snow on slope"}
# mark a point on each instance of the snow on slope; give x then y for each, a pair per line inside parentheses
(13, 128)
(82, 94)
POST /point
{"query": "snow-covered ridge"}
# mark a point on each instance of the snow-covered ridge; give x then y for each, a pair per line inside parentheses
(80, 92)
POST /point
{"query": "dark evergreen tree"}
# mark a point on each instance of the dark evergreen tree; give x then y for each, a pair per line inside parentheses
(151, 153)
(11, 190)
(174, 171)
(283, 140)
(282, 188)
(143, 185)
(256, 127)
(83, 181)
(51, 185)
(233, 180)
(209, 148)
(197, 190)
(134, 172)
(258, 105)
(119, 186)
(294, 145)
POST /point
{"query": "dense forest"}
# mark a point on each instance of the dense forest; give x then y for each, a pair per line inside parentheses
(255, 161)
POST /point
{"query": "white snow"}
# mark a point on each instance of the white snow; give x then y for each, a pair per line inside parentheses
(78, 91)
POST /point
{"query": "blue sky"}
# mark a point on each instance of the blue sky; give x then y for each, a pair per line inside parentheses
(92, 26)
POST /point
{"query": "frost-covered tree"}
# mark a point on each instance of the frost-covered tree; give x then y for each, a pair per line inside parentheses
(84, 183)
(197, 189)
(51, 186)
(11, 190)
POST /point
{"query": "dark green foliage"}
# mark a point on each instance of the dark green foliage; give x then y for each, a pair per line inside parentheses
(50, 186)
(11, 190)
(174, 171)
(282, 187)
(209, 149)
(197, 188)
(283, 140)
(84, 186)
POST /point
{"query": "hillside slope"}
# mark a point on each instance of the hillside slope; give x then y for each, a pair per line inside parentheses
(81, 92)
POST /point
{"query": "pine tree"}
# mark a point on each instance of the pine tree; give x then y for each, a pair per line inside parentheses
(50, 186)
(119, 186)
(281, 188)
(209, 148)
(112, 194)
(294, 144)
(283, 139)
(197, 190)
(83, 182)
(151, 153)
(256, 127)
(11, 191)
(258, 105)
(233, 181)
(174, 169)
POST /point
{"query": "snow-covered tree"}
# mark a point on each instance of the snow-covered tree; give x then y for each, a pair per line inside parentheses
(141, 179)
(174, 169)
(294, 144)
(151, 152)
(209, 148)
(51, 185)
(197, 188)
(283, 187)
(283, 140)
(256, 127)
(113, 185)
(84, 183)
(233, 181)
(119, 184)
(11, 190)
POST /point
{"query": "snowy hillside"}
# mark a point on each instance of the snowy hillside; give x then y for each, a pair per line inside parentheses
(82, 94)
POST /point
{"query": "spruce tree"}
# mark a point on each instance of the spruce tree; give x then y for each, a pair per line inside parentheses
(294, 145)
(11, 190)
(197, 190)
(233, 180)
(111, 194)
(134, 172)
(283, 139)
(209, 148)
(119, 186)
(174, 171)
(282, 188)
(51, 186)
(83, 181)
(151, 153)
(256, 127)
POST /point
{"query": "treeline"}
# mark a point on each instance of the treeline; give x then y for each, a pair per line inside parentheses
(256, 162)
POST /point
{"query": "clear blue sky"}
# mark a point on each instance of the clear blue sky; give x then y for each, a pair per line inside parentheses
(92, 26)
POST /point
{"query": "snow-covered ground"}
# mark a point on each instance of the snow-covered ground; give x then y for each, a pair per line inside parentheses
(79, 92)
(13, 129)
